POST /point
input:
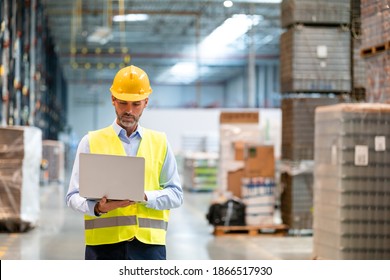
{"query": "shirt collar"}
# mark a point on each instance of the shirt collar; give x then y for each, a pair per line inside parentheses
(118, 129)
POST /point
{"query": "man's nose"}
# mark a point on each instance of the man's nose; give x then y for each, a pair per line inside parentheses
(129, 108)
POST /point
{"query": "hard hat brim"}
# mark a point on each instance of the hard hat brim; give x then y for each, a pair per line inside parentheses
(130, 97)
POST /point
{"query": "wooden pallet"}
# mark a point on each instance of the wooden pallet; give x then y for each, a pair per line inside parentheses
(269, 229)
(375, 49)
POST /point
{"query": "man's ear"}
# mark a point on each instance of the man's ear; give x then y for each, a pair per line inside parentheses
(112, 99)
(146, 101)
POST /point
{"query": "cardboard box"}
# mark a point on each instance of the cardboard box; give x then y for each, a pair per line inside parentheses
(234, 182)
(259, 161)
(239, 148)
(239, 117)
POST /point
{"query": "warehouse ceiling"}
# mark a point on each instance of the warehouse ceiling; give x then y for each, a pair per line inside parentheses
(168, 38)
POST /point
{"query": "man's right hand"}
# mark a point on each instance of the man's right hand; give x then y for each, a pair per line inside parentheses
(105, 205)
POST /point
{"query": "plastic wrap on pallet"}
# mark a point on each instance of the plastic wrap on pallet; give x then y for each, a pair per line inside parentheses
(315, 59)
(258, 195)
(378, 78)
(351, 175)
(315, 12)
(375, 18)
(20, 159)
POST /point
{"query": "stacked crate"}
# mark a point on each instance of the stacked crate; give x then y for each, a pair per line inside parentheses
(298, 154)
(315, 47)
(298, 126)
(315, 67)
(375, 16)
(351, 186)
(315, 59)
(20, 159)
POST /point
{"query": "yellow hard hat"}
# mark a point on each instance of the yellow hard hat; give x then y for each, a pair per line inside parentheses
(131, 84)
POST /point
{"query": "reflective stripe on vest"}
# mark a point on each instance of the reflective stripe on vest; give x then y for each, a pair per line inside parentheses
(147, 225)
(125, 221)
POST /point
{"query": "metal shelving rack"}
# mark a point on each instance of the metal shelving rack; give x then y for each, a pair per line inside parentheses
(33, 88)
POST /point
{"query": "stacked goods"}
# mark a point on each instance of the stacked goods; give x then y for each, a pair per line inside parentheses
(378, 78)
(298, 126)
(359, 67)
(351, 175)
(200, 171)
(315, 59)
(315, 12)
(375, 15)
(258, 184)
(20, 159)
(235, 128)
(258, 194)
(358, 72)
(297, 200)
(53, 158)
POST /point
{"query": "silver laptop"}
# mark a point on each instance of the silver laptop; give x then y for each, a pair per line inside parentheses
(116, 177)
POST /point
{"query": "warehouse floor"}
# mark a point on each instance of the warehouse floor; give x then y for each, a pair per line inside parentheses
(59, 235)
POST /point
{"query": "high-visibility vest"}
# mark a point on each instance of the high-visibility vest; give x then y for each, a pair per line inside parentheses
(146, 224)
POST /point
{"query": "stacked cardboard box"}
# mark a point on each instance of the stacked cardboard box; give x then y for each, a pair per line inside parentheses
(298, 126)
(351, 190)
(258, 184)
(235, 128)
(20, 159)
(246, 167)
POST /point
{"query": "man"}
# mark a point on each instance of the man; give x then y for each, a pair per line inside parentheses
(125, 229)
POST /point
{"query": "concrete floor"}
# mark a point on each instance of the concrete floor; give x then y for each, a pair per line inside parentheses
(59, 235)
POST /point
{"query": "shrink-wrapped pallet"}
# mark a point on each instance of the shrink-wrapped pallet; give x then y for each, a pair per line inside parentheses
(351, 182)
(321, 12)
(20, 159)
(315, 59)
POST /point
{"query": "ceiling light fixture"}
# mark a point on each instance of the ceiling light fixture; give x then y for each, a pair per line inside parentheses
(229, 31)
(101, 35)
(130, 17)
(228, 3)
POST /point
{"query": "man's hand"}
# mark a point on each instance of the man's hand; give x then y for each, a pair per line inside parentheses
(105, 205)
